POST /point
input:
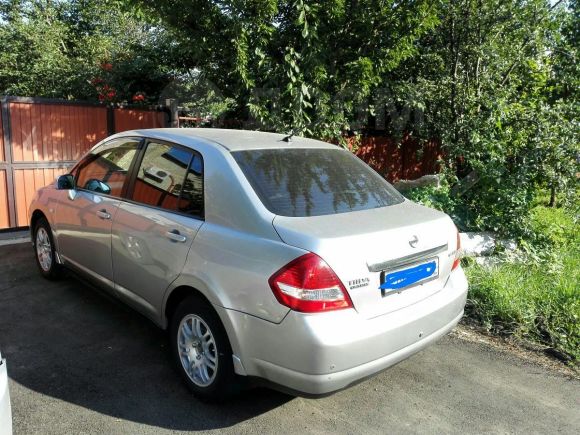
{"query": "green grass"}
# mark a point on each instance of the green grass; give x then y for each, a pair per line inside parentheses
(536, 302)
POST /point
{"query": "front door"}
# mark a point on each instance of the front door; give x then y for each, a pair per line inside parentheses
(85, 215)
(153, 231)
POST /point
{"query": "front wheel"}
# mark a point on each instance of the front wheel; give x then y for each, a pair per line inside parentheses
(45, 252)
(202, 351)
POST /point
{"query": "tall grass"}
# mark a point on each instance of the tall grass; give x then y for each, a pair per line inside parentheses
(535, 301)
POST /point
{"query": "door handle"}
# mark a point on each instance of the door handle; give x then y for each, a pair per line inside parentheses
(103, 214)
(175, 236)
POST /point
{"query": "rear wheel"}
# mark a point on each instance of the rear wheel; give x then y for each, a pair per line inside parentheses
(202, 351)
(44, 250)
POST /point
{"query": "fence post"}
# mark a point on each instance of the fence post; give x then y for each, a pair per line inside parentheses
(171, 105)
(5, 104)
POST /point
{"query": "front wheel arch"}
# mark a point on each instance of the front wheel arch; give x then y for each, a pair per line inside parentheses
(36, 216)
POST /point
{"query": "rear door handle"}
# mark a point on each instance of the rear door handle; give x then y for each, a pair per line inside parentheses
(103, 214)
(175, 236)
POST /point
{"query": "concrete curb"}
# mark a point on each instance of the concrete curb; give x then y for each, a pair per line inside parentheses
(14, 237)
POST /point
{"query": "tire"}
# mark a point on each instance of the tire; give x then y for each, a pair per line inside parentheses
(44, 251)
(210, 376)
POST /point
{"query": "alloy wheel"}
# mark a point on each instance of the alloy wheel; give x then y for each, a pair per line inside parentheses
(197, 350)
(43, 249)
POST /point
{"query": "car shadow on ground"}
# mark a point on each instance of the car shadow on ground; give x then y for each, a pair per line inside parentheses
(66, 340)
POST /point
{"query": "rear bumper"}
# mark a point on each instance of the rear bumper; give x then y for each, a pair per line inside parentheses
(328, 383)
(5, 410)
(321, 353)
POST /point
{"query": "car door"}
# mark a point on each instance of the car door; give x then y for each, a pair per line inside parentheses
(154, 229)
(84, 216)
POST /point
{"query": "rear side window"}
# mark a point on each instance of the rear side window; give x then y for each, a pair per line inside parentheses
(313, 182)
(191, 199)
(170, 177)
(105, 169)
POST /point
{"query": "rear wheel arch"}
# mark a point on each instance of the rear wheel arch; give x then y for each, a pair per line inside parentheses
(182, 292)
(177, 295)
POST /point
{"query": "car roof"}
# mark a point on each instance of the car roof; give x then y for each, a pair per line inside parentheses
(231, 140)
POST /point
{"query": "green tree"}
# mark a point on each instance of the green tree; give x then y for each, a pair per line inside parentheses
(488, 77)
(298, 66)
(564, 84)
(69, 49)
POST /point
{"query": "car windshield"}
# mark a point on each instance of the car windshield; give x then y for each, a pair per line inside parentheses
(302, 182)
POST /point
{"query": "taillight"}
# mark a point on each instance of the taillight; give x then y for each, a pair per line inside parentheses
(309, 285)
(457, 260)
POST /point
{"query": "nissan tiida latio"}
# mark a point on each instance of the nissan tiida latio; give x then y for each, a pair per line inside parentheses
(284, 259)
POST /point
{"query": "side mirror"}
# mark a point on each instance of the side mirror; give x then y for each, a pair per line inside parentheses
(65, 182)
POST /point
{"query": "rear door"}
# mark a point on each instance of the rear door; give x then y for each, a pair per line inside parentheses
(84, 216)
(153, 230)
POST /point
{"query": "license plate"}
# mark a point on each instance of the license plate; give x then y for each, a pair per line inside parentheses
(409, 276)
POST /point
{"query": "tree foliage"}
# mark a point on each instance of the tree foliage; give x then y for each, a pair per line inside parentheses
(492, 73)
(298, 66)
(80, 49)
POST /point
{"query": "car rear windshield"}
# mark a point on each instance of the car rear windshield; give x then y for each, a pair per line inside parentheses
(314, 181)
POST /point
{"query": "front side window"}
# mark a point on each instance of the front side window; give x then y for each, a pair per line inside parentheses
(170, 177)
(314, 181)
(105, 170)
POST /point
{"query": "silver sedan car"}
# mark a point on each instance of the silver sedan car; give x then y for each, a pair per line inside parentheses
(266, 257)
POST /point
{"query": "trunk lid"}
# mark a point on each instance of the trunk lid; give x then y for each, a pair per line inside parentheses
(362, 246)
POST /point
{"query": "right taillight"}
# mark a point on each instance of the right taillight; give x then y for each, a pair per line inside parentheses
(457, 260)
(309, 285)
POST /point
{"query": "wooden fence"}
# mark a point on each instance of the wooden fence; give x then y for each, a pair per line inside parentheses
(41, 138)
(406, 159)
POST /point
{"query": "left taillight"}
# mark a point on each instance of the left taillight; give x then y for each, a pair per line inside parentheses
(308, 284)
(457, 259)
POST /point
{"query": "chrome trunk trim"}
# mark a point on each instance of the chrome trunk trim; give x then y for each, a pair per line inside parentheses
(392, 264)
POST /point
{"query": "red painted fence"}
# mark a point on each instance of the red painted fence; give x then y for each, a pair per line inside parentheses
(130, 119)
(408, 159)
